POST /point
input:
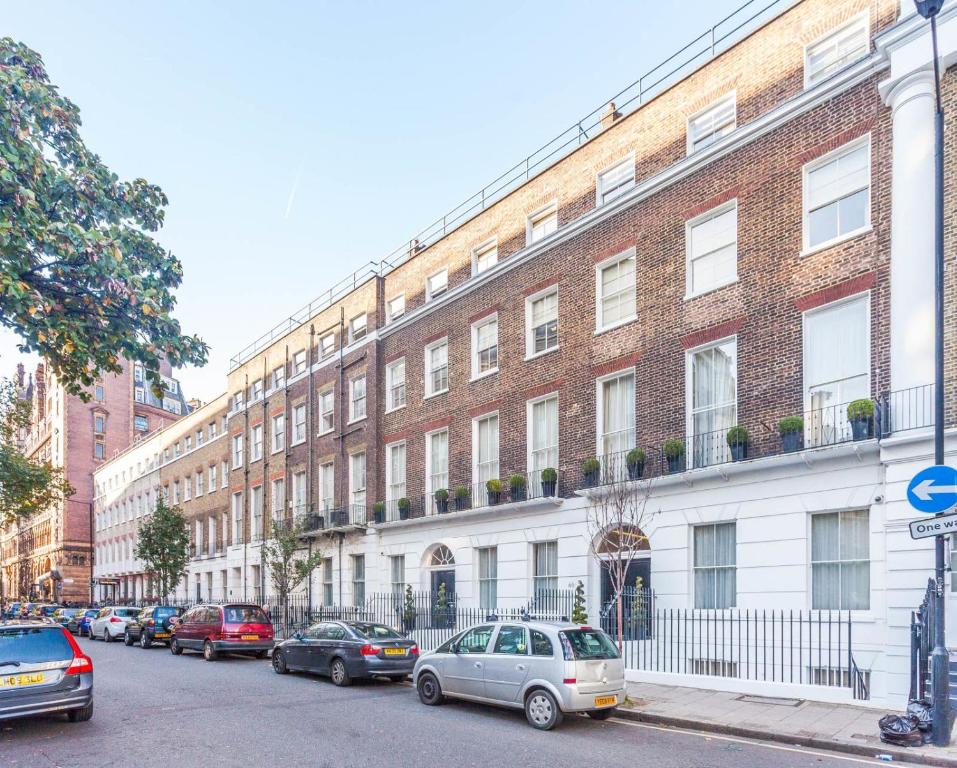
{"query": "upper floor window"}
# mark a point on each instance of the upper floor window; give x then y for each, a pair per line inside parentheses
(256, 442)
(98, 394)
(712, 249)
(357, 327)
(278, 377)
(437, 284)
(357, 398)
(357, 481)
(395, 384)
(299, 362)
(278, 433)
(616, 415)
(437, 367)
(138, 373)
(836, 50)
(541, 223)
(99, 423)
(298, 424)
(712, 398)
(237, 451)
(395, 471)
(211, 430)
(327, 417)
(485, 346)
(395, 308)
(615, 289)
(188, 443)
(256, 390)
(713, 123)
(141, 423)
(615, 181)
(837, 194)
(99, 450)
(484, 257)
(541, 321)
(327, 345)
(237, 402)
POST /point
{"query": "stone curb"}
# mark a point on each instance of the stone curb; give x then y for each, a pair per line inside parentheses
(897, 753)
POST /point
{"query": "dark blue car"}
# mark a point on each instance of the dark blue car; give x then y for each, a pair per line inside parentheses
(83, 621)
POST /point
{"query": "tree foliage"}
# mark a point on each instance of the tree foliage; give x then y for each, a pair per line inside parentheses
(82, 281)
(27, 485)
(163, 546)
(287, 564)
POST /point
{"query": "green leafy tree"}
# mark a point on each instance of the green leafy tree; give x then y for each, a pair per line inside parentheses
(287, 564)
(579, 614)
(27, 485)
(163, 546)
(82, 281)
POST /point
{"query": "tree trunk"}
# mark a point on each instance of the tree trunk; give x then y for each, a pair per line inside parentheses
(620, 618)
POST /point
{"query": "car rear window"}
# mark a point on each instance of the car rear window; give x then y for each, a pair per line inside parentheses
(162, 613)
(30, 645)
(246, 614)
(375, 632)
(127, 612)
(588, 644)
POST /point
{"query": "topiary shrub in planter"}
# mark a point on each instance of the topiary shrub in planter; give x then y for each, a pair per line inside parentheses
(674, 451)
(549, 481)
(791, 429)
(441, 497)
(408, 610)
(463, 497)
(441, 611)
(861, 415)
(494, 489)
(738, 443)
(378, 512)
(516, 487)
(635, 459)
(591, 470)
(405, 507)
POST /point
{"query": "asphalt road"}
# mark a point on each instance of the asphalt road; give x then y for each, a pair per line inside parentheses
(155, 709)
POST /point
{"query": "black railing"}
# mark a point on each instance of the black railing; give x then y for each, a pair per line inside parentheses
(922, 644)
(905, 410)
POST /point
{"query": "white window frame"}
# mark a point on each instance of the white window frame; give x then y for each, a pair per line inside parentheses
(212, 478)
(238, 449)
(327, 350)
(390, 480)
(278, 378)
(429, 293)
(621, 189)
(600, 407)
(299, 363)
(355, 327)
(300, 502)
(808, 168)
(537, 216)
(390, 314)
(720, 450)
(278, 423)
(327, 398)
(529, 446)
(390, 400)
(354, 415)
(861, 19)
(690, 290)
(488, 598)
(294, 425)
(530, 352)
(483, 250)
(476, 363)
(237, 514)
(277, 498)
(358, 492)
(256, 442)
(713, 107)
(600, 325)
(812, 562)
(478, 482)
(429, 489)
(327, 485)
(429, 392)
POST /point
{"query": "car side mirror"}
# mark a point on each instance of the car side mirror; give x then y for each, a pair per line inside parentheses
(454, 648)
(297, 635)
(173, 621)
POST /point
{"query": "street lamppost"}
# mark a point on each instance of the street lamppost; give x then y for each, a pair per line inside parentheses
(940, 659)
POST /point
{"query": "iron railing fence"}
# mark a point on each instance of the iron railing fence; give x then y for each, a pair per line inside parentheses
(922, 628)
(699, 51)
(905, 409)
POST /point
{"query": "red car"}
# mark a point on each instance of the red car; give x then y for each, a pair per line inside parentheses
(229, 628)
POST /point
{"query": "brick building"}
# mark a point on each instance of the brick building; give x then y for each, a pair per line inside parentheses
(747, 240)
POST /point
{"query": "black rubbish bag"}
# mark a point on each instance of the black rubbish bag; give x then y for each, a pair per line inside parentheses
(899, 730)
(921, 712)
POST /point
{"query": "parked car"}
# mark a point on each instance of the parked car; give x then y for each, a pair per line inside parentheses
(43, 670)
(83, 620)
(46, 609)
(151, 625)
(110, 622)
(345, 650)
(27, 609)
(546, 668)
(13, 610)
(62, 616)
(229, 628)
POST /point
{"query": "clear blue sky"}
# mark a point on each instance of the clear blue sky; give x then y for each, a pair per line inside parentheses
(298, 140)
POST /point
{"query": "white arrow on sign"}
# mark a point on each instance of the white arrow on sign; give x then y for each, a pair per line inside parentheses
(926, 488)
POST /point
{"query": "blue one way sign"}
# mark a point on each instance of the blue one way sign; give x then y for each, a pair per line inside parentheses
(933, 490)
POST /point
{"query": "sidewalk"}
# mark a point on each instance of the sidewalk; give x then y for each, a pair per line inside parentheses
(838, 727)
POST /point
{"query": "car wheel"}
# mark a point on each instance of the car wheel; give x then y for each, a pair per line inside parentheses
(145, 641)
(602, 714)
(127, 638)
(209, 653)
(542, 710)
(279, 663)
(339, 674)
(81, 715)
(430, 692)
(174, 647)
(106, 635)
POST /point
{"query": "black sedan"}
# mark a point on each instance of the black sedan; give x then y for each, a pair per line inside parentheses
(346, 650)
(151, 625)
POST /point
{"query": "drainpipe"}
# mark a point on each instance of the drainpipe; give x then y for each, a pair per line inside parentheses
(340, 536)
(266, 485)
(339, 415)
(310, 420)
(245, 479)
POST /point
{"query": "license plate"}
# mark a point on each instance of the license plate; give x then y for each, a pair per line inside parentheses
(395, 651)
(18, 681)
(606, 701)
(161, 634)
(249, 637)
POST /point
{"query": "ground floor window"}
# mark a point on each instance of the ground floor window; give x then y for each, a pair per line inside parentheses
(327, 595)
(397, 566)
(714, 565)
(488, 577)
(358, 579)
(840, 561)
(545, 556)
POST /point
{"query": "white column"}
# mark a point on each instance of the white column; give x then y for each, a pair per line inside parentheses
(912, 231)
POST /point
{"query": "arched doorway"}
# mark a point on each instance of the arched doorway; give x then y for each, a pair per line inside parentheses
(625, 548)
(440, 564)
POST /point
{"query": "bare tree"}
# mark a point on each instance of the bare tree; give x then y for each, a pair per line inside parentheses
(288, 566)
(617, 518)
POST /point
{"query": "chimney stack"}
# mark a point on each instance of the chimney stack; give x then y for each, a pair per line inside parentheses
(610, 116)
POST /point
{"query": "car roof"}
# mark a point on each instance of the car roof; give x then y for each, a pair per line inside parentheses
(37, 621)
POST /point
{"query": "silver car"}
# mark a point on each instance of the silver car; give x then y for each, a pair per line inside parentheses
(110, 622)
(546, 668)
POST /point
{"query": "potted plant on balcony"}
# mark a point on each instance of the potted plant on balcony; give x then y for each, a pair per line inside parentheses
(463, 497)
(408, 610)
(738, 443)
(549, 481)
(791, 429)
(861, 415)
(378, 512)
(674, 451)
(494, 489)
(441, 497)
(635, 459)
(516, 486)
(591, 470)
(405, 506)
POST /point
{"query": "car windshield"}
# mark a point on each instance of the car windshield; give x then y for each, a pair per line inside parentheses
(91, 613)
(375, 632)
(590, 644)
(67, 612)
(33, 644)
(128, 613)
(245, 614)
(162, 613)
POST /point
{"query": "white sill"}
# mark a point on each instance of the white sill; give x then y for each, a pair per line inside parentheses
(355, 421)
(297, 442)
(397, 408)
(712, 289)
(484, 375)
(836, 241)
(274, 451)
(536, 355)
(436, 394)
(613, 326)
(325, 432)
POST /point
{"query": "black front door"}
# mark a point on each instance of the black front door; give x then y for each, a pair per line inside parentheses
(639, 568)
(443, 614)
(444, 577)
(636, 606)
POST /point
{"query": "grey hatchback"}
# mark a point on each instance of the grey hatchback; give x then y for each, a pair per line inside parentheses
(42, 671)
